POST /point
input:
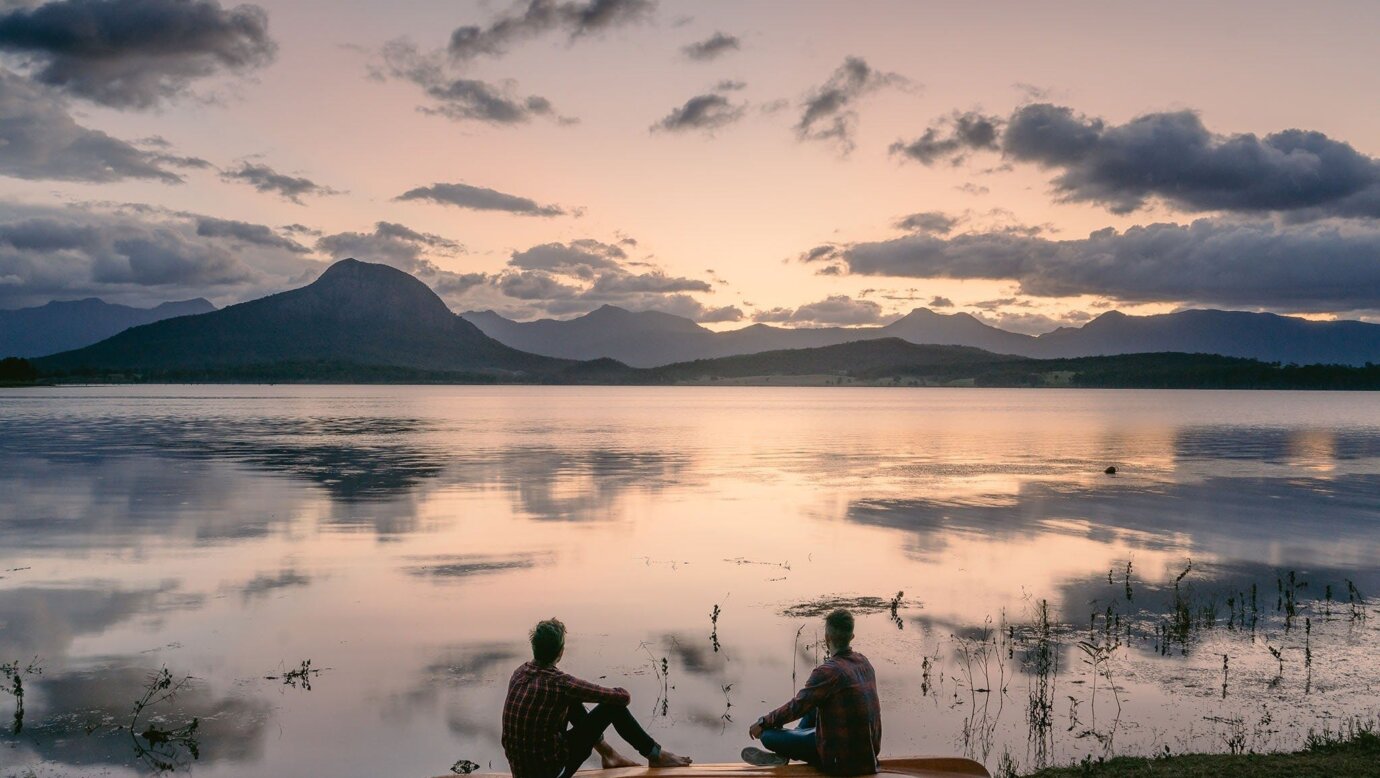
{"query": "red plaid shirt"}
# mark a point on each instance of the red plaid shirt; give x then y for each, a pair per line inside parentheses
(535, 716)
(848, 729)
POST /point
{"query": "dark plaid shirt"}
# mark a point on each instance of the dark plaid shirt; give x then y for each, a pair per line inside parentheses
(848, 727)
(535, 716)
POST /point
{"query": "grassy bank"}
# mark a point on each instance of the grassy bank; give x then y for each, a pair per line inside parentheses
(1358, 755)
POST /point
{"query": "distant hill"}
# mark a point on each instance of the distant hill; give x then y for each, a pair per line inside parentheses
(62, 326)
(892, 361)
(649, 339)
(1263, 336)
(355, 314)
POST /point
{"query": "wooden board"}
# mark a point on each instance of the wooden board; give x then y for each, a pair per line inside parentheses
(912, 766)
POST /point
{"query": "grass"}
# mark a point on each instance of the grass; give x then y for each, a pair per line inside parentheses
(1358, 755)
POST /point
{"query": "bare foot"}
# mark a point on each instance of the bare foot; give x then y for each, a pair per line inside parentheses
(668, 759)
(615, 759)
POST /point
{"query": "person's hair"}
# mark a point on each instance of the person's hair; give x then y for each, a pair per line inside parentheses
(839, 624)
(548, 638)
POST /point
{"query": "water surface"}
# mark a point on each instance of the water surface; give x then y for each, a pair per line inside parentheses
(404, 539)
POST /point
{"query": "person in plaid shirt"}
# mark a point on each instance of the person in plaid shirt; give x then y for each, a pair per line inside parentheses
(542, 701)
(840, 730)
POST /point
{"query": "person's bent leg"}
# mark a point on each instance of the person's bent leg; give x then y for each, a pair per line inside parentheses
(625, 724)
(586, 734)
(798, 744)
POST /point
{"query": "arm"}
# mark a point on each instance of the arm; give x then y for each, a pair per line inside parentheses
(584, 691)
(817, 689)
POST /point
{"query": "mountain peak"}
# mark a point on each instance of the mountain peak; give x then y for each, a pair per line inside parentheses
(367, 289)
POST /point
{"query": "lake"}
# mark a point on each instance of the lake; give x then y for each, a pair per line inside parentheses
(1211, 595)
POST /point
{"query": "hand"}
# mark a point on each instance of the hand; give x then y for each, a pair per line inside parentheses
(755, 731)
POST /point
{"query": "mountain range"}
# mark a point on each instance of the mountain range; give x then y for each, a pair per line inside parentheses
(651, 339)
(355, 313)
(367, 323)
(61, 326)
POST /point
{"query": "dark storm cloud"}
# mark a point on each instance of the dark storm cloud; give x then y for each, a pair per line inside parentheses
(829, 111)
(1323, 266)
(245, 232)
(457, 97)
(479, 198)
(1169, 156)
(40, 140)
(701, 113)
(1173, 156)
(712, 47)
(269, 181)
(935, 222)
(835, 310)
(134, 53)
(540, 17)
(953, 138)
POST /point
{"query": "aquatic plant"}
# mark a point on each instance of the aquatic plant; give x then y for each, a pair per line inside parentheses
(13, 675)
(163, 749)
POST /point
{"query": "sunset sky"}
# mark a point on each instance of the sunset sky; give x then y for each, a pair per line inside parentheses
(800, 163)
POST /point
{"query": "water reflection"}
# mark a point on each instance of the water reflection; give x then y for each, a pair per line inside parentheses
(407, 538)
(1323, 520)
(81, 718)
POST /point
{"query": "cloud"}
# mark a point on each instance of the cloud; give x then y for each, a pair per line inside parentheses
(1169, 157)
(835, 310)
(559, 279)
(703, 113)
(1028, 323)
(479, 198)
(1173, 157)
(138, 256)
(953, 138)
(940, 302)
(392, 244)
(40, 140)
(712, 47)
(829, 111)
(460, 98)
(1325, 266)
(246, 233)
(580, 258)
(267, 180)
(540, 17)
(935, 222)
(134, 53)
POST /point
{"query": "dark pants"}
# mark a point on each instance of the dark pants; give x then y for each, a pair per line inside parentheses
(798, 743)
(587, 729)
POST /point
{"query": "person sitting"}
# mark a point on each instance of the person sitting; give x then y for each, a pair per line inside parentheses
(543, 700)
(840, 729)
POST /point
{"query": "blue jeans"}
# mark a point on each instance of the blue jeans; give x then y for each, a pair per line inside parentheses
(798, 743)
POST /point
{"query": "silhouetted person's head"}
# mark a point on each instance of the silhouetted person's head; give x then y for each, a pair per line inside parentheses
(548, 641)
(838, 630)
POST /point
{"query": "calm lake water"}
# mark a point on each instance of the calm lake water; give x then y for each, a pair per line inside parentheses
(404, 539)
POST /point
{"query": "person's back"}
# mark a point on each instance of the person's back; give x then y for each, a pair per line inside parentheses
(548, 732)
(849, 722)
(840, 715)
(535, 715)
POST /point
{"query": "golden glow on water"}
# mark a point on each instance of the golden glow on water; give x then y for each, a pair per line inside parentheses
(404, 539)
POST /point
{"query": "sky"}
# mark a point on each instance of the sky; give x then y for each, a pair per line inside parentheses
(801, 164)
